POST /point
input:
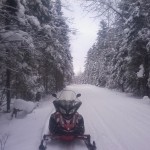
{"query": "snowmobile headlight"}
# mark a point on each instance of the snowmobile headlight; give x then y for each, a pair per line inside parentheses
(71, 111)
(62, 110)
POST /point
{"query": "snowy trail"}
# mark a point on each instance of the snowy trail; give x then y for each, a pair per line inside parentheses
(114, 120)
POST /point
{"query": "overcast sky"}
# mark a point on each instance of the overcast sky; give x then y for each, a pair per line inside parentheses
(85, 36)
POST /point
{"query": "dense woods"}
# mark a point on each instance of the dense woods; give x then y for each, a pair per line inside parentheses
(120, 58)
(35, 56)
(34, 49)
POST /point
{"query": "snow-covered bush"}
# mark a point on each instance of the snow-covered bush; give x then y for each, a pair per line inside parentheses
(146, 98)
(22, 105)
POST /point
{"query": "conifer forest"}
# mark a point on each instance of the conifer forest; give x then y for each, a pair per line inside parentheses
(35, 51)
(120, 57)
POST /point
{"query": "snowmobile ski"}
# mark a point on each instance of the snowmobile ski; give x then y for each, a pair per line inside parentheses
(85, 138)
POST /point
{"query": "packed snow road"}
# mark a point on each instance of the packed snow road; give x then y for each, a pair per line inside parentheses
(114, 120)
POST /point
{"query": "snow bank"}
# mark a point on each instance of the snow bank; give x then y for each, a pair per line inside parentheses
(141, 72)
(26, 106)
(146, 98)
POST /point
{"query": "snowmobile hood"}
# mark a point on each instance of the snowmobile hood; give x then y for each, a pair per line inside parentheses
(67, 103)
(67, 108)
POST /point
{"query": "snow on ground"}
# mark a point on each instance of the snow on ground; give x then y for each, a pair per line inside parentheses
(115, 121)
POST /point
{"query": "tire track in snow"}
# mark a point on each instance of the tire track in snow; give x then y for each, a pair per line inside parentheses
(102, 132)
(124, 121)
(102, 139)
(107, 140)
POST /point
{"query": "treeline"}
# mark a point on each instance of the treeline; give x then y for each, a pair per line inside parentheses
(34, 49)
(120, 58)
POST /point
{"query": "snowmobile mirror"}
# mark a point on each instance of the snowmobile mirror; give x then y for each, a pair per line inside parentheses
(78, 95)
(54, 95)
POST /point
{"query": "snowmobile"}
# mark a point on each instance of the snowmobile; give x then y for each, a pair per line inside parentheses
(66, 124)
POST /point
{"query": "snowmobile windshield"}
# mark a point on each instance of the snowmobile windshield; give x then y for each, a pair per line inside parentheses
(67, 95)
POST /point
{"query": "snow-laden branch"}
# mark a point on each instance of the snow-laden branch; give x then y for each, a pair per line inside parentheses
(3, 5)
(102, 5)
(4, 65)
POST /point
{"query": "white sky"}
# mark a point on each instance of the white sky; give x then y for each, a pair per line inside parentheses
(85, 37)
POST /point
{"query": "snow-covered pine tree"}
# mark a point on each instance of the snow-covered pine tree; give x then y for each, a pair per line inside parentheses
(92, 67)
(64, 70)
(55, 63)
(17, 53)
(5, 52)
(40, 55)
(98, 65)
(133, 56)
(129, 57)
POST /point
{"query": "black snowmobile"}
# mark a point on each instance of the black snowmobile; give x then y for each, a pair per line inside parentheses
(66, 123)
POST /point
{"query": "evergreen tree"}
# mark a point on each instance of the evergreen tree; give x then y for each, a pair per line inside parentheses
(34, 48)
(98, 65)
(124, 50)
(133, 56)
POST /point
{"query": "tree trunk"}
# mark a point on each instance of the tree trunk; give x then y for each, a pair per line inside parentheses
(146, 75)
(8, 98)
(12, 4)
